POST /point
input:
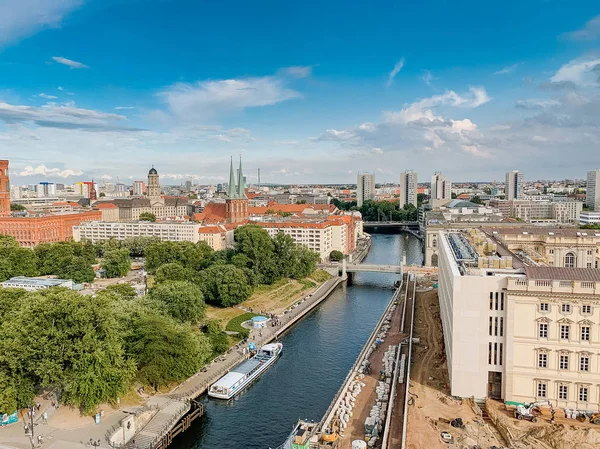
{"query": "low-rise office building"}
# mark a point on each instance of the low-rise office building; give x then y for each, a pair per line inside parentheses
(99, 231)
(589, 218)
(33, 284)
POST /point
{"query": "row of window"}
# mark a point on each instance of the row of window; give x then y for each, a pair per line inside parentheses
(565, 332)
(563, 361)
(495, 353)
(497, 326)
(566, 308)
(496, 301)
(583, 391)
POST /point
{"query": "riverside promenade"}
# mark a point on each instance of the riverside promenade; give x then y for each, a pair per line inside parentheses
(166, 409)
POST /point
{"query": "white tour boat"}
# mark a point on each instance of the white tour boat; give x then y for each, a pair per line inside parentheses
(239, 377)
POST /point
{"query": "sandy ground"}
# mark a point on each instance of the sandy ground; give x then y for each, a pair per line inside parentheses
(433, 408)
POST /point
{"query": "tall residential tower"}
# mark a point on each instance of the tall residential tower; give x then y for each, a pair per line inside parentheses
(365, 188)
(441, 187)
(592, 196)
(408, 188)
(514, 185)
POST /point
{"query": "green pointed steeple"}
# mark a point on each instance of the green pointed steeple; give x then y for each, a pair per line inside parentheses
(241, 188)
(231, 192)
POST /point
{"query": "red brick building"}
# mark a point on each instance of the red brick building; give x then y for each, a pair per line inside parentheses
(4, 189)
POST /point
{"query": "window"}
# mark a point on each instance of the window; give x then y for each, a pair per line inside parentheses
(542, 389)
(565, 308)
(551, 251)
(495, 353)
(585, 333)
(570, 260)
(563, 362)
(544, 307)
(500, 353)
(496, 326)
(502, 301)
(589, 265)
(490, 332)
(589, 253)
(563, 392)
(584, 363)
(501, 326)
(489, 353)
(543, 330)
(496, 302)
(564, 331)
(583, 394)
(542, 360)
(491, 301)
(586, 309)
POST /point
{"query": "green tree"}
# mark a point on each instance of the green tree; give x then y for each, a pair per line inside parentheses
(17, 207)
(475, 199)
(183, 300)
(117, 263)
(453, 195)
(195, 257)
(165, 351)
(17, 262)
(307, 262)
(10, 300)
(336, 256)
(53, 258)
(147, 216)
(218, 339)
(173, 271)
(8, 241)
(79, 270)
(123, 292)
(137, 245)
(59, 338)
(225, 285)
(256, 244)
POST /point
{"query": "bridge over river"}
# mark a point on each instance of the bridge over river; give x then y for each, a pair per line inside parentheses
(365, 268)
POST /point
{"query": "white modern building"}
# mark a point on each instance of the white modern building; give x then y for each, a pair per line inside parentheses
(514, 185)
(99, 231)
(408, 188)
(365, 188)
(589, 218)
(441, 187)
(592, 196)
(33, 284)
(518, 332)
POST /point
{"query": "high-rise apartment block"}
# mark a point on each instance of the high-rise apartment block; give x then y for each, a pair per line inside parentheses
(592, 197)
(139, 188)
(514, 185)
(408, 188)
(441, 188)
(365, 188)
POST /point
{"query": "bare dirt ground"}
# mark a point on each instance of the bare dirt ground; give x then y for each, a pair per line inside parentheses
(563, 434)
(433, 408)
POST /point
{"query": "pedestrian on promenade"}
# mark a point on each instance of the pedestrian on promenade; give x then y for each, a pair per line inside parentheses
(45, 417)
(40, 439)
(37, 406)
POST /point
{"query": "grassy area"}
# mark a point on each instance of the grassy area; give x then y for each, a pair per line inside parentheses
(320, 276)
(235, 324)
(150, 281)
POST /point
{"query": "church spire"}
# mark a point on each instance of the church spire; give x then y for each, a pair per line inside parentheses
(231, 193)
(241, 188)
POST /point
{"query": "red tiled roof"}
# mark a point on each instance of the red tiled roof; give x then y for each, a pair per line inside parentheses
(289, 208)
(105, 206)
(213, 213)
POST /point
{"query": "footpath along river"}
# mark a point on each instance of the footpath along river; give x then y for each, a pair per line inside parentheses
(317, 354)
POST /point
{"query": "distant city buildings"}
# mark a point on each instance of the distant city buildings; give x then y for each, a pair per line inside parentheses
(514, 185)
(365, 188)
(441, 187)
(592, 197)
(139, 188)
(589, 218)
(408, 188)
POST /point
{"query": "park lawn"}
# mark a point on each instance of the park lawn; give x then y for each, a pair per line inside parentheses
(273, 298)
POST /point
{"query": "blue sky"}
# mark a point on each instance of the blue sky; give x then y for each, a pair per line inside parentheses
(307, 91)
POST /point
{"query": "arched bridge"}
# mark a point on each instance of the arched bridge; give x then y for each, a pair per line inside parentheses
(358, 268)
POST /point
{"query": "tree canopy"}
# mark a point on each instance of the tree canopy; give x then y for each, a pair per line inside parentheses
(225, 285)
(117, 263)
(194, 256)
(147, 216)
(183, 300)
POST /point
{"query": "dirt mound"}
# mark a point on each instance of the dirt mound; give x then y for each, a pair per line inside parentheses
(559, 437)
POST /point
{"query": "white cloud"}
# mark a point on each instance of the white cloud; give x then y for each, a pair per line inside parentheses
(59, 116)
(121, 108)
(368, 127)
(297, 71)
(334, 134)
(475, 151)
(397, 67)
(428, 77)
(508, 69)
(209, 98)
(69, 62)
(22, 18)
(539, 139)
(582, 72)
(286, 142)
(377, 151)
(589, 32)
(42, 170)
(536, 103)
(47, 97)
(106, 177)
(60, 88)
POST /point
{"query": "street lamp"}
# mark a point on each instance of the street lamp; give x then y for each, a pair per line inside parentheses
(94, 443)
(31, 435)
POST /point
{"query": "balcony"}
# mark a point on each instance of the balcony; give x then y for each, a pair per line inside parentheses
(551, 286)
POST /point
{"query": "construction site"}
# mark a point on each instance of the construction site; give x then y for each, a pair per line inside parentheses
(437, 420)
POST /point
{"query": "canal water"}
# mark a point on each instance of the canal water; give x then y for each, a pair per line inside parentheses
(317, 355)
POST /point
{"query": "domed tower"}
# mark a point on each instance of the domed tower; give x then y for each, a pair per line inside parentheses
(153, 188)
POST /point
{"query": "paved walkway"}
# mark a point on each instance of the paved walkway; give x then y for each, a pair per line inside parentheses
(172, 405)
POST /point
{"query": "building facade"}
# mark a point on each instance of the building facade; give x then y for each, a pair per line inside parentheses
(592, 195)
(365, 188)
(517, 332)
(441, 188)
(4, 189)
(99, 231)
(514, 185)
(408, 188)
(589, 218)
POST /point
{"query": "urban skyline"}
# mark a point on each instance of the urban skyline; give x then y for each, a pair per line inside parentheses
(313, 113)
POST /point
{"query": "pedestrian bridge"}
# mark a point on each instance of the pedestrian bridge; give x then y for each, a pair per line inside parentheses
(360, 268)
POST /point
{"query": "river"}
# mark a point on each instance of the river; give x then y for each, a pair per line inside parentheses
(317, 354)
